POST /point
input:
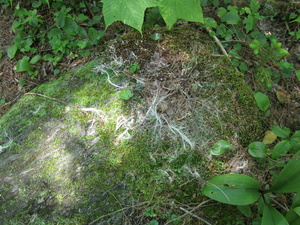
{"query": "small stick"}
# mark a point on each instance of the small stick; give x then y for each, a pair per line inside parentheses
(58, 100)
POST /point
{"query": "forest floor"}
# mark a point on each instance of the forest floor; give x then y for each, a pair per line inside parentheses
(285, 96)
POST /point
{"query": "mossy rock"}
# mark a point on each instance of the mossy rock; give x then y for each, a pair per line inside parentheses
(74, 152)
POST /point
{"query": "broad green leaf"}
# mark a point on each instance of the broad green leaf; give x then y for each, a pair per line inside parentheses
(262, 100)
(70, 27)
(23, 65)
(272, 217)
(293, 216)
(220, 147)
(245, 209)
(297, 210)
(295, 141)
(60, 20)
(35, 59)
(257, 149)
(281, 148)
(172, 10)
(283, 133)
(288, 180)
(130, 12)
(11, 51)
(125, 94)
(234, 189)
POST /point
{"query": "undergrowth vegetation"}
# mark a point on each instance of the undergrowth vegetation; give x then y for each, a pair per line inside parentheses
(243, 33)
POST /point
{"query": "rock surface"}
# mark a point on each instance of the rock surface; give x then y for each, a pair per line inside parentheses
(74, 152)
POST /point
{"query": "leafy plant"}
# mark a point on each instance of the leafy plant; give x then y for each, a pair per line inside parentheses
(290, 144)
(125, 94)
(253, 15)
(134, 67)
(133, 11)
(243, 190)
(66, 36)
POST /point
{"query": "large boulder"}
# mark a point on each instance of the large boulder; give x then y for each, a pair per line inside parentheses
(82, 150)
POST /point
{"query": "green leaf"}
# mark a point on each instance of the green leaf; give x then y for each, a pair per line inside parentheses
(94, 35)
(272, 217)
(125, 94)
(220, 147)
(254, 6)
(153, 222)
(61, 19)
(297, 210)
(293, 216)
(243, 66)
(11, 51)
(155, 36)
(81, 44)
(70, 27)
(231, 17)
(35, 59)
(245, 209)
(234, 189)
(257, 149)
(82, 17)
(281, 148)
(130, 12)
(288, 180)
(295, 140)
(189, 10)
(23, 65)
(283, 133)
(262, 101)
(210, 22)
(250, 22)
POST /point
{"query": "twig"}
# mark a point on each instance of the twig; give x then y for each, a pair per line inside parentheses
(58, 100)
(285, 208)
(120, 205)
(120, 210)
(190, 213)
(220, 45)
(199, 218)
